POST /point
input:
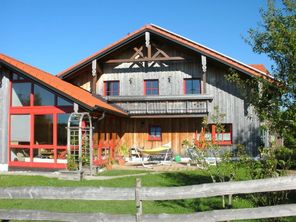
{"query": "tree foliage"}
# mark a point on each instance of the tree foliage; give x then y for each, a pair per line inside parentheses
(275, 98)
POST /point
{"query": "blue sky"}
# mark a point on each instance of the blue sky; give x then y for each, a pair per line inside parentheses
(55, 34)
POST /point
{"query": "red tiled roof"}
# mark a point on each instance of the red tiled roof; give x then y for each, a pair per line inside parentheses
(72, 92)
(177, 38)
(260, 67)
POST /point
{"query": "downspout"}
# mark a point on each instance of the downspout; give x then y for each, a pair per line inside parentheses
(102, 117)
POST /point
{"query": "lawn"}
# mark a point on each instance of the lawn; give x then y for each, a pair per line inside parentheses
(120, 207)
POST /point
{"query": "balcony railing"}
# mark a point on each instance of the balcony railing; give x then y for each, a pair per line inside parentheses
(163, 105)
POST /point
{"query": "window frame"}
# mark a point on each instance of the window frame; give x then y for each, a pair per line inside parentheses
(211, 129)
(32, 110)
(149, 88)
(153, 137)
(185, 89)
(105, 87)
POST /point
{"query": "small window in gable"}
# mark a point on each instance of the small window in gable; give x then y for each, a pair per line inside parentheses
(21, 92)
(16, 77)
(63, 102)
(43, 97)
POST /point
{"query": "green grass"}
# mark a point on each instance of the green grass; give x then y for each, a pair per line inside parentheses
(163, 179)
(122, 172)
(121, 207)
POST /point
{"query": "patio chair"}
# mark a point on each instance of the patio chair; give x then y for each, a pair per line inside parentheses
(196, 157)
(161, 155)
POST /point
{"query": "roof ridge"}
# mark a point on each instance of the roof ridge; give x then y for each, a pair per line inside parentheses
(176, 37)
(208, 48)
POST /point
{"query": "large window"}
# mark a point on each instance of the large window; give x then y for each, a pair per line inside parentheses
(111, 88)
(21, 94)
(192, 86)
(43, 97)
(20, 130)
(154, 133)
(62, 131)
(151, 87)
(38, 136)
(43, 129)
(63, 102)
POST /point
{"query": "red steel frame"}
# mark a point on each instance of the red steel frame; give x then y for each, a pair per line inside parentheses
(213, 133)
(32, 111)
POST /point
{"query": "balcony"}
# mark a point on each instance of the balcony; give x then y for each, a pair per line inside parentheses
(184, 105)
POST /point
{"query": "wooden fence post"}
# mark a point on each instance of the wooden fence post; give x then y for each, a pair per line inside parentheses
(138, 200)
(229, 201)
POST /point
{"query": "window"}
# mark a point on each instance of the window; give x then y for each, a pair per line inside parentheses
(16, 77)
(43, 129)
(62, 131)
(43, 97)
(21, 94)
(63, 102)
(111, 88)
(192, 86)
(20, 154)
(222, 136)
(151, 87)
(154, 133)
(20, 130)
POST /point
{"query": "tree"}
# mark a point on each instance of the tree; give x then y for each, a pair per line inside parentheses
(275, 99)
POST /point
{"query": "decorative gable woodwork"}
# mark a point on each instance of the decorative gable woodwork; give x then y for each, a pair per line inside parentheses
(147, 55)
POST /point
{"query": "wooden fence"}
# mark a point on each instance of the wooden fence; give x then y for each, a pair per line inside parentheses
(140, 194)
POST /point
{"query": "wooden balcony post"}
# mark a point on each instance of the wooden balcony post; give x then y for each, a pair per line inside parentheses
(204, 73)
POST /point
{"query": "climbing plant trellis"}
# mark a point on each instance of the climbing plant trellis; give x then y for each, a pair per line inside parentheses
(79, 141)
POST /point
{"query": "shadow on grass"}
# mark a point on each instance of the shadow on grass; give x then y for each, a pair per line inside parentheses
(187, 178)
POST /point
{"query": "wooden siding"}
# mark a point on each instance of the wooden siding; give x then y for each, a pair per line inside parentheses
(171, 76)
(134, 132)
(83, 78)
(230, 102)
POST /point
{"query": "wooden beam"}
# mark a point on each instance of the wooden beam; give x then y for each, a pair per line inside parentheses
(176, 58)
(149, 51)
(285, 210)
(138, 51)
(96, 71)
(204, 73)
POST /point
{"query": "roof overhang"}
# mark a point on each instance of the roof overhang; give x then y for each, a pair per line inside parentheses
(180, 40)
(59, 92)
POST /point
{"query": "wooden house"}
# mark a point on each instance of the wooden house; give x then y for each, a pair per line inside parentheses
(147, 89)
(167, 84)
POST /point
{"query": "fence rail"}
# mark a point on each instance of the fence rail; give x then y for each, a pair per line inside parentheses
(140, 194)
(151, 193)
